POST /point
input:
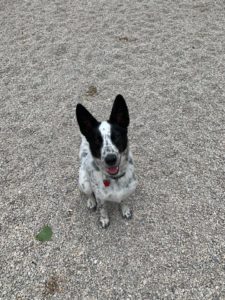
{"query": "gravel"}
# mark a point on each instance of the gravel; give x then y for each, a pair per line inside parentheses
(167, 59)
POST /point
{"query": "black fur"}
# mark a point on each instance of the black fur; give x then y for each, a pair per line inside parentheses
(119, 137)
(119, 114)
(119, 120)
(89, 128)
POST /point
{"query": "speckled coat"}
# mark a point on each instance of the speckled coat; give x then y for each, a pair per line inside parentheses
(91, 178)
(106, 170)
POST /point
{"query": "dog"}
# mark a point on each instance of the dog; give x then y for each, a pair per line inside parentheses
(106, 164)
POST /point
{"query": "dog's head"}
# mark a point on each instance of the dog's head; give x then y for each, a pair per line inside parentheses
(108, 139)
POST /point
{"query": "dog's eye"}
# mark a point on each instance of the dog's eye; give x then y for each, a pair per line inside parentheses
(116, 137)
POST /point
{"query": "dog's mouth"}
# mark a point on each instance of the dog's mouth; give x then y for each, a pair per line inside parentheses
(112, 170)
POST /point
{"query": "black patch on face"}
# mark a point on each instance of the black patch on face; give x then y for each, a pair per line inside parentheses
(95, 141)
(119, 137)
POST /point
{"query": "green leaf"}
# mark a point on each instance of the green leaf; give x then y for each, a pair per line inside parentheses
(45, 234)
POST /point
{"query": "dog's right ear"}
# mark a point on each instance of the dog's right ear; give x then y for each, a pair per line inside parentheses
(85, 120)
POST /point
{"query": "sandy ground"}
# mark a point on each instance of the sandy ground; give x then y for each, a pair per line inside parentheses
(167, 59)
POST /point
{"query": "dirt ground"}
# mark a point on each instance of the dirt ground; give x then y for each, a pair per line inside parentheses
(167, 58)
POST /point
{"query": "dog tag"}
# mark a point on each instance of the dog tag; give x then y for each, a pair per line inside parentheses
(106, 183)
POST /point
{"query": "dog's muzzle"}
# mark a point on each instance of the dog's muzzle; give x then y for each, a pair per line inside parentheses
(111, 163)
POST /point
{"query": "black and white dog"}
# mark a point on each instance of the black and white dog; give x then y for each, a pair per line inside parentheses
(106, 171)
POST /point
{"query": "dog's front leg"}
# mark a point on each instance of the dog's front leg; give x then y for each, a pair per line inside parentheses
(126, 211)
(104, 218)
(91, 202)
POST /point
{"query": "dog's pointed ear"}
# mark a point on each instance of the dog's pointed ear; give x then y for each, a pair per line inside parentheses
(120, 114)
(85, 120)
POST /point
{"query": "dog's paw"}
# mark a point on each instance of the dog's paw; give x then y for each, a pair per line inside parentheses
(126, 212)
(91, 204)
(104, 222)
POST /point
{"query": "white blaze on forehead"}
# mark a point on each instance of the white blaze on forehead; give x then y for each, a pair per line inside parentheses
(105, 128)
(108, 146)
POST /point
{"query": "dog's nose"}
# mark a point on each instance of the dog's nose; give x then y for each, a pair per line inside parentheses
(111, 159)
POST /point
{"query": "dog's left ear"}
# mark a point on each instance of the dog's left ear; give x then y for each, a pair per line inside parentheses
(120, 114)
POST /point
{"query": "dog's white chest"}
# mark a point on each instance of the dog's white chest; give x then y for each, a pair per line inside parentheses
(114, 190)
